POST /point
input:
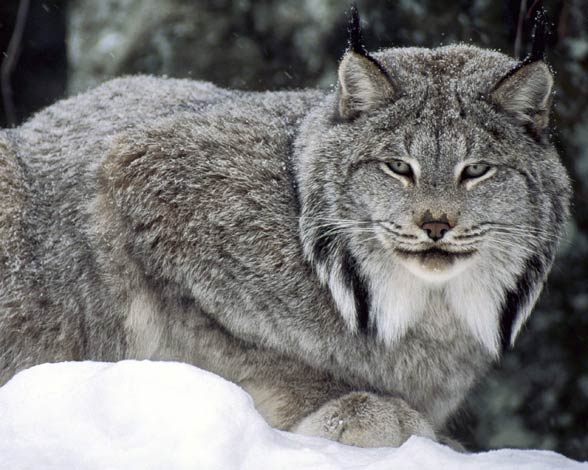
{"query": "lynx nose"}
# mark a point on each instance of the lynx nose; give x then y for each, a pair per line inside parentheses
(436, 229)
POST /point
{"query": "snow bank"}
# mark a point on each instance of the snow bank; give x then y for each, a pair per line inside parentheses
(156, 415)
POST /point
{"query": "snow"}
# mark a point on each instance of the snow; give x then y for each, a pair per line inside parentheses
(164, 415)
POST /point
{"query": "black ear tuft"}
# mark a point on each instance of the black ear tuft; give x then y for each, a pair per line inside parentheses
(354, 36)
(538, 38)
(364, 84)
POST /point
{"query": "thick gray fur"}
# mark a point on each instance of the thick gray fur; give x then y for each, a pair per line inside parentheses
(263, 236)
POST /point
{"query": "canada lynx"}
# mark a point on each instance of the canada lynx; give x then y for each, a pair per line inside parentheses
(354, 259)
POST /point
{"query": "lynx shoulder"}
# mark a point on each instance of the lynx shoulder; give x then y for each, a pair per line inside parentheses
(355, 259)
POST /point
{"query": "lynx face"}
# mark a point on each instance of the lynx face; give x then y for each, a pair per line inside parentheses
(433, 178)
(440, 199)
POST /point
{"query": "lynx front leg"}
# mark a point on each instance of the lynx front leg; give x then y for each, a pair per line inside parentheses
(366, 420)
(293, 397)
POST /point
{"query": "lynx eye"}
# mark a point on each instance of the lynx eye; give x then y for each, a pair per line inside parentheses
(474, 171)
(399, 167)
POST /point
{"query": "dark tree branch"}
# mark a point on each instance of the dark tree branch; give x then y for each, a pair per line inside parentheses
(10, 60)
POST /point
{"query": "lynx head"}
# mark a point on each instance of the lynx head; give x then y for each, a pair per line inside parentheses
(428, 181)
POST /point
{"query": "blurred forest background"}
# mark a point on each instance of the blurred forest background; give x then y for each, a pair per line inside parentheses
(538, 395)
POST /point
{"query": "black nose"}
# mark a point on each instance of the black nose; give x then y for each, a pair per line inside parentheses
(436, 229)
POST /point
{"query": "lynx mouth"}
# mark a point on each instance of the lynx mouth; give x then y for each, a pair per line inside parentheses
(435, 264)
(435, 254)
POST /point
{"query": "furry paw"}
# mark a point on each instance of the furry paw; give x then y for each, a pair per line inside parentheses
(365, 420)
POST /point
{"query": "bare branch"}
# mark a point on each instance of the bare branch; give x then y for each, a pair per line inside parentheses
(10, 60)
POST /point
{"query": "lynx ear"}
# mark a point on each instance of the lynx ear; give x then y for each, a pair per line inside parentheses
(526, 93)
(363, 85)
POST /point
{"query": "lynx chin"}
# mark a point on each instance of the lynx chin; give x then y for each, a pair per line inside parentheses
(355, 259)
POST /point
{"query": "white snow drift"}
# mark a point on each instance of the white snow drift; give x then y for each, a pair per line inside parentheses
(156, 415)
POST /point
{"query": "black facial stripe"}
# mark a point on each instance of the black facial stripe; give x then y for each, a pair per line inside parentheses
(420, 107)
(323, 244)
(534, 188)
(558, 211)
(292, 179)
(516, 299)
(460, 103)
(355, 282)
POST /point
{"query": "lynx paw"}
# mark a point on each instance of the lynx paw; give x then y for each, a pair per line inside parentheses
(365, 420)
